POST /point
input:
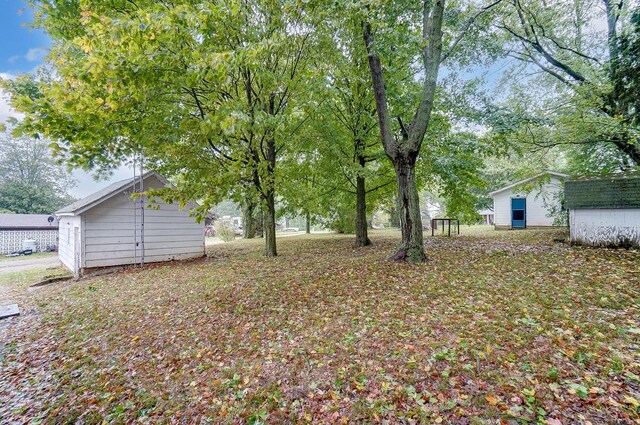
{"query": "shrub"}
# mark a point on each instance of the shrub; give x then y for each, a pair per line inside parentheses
(224, 231)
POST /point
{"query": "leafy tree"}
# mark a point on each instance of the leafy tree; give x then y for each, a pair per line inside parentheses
(208, 92)
(589, 103)
(402, 143)
(31, 182)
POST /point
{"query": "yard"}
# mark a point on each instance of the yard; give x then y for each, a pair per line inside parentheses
(497, 326)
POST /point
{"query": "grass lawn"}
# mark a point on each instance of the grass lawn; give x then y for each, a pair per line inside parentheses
(498, 327)
(4, 258)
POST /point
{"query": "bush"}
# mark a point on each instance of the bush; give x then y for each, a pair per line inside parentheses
(224, 231)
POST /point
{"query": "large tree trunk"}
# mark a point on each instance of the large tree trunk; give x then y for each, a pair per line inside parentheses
(270, 195)
(259, 223)
(308, 223)
(362, 238)
(411, 248)
(248, 220)
(270, 225)
(403, 150)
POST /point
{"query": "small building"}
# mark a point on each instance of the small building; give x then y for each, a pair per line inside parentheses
(486, 217)
(604, 211)
(529, 202)
(111, 228)
(16, 228)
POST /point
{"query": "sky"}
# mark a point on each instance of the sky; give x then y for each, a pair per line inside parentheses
(22, 50)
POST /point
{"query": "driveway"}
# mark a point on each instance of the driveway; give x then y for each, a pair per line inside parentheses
(12, 266)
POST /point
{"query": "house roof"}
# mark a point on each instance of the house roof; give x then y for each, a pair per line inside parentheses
(511, 186)
(102, 195)
(27, 222)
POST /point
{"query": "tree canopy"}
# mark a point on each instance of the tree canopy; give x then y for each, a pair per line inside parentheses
(31, 181)
(331, 110)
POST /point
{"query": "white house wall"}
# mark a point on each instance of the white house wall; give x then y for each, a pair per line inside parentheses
(603, 227)
(169, 232)
(537, 211)
(66, 235)
(11, 240)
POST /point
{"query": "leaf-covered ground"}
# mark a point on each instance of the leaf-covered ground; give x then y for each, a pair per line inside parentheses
(498, 327)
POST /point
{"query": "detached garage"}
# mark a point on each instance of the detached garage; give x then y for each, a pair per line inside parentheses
(529, 202)
(110, 228)
(605, 211)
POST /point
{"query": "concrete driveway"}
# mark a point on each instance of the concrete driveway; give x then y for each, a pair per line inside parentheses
(11, 266)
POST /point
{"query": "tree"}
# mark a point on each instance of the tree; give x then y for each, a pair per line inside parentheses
(31, 182)
(403, 144)
(590, 74)
(206, 91)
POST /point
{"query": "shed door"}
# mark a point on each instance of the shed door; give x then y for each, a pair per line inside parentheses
(518, 213)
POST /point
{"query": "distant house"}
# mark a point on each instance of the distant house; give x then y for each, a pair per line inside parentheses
(109, 228)
(604, 211)
(529, 202)
(487, 217)
(16, 228)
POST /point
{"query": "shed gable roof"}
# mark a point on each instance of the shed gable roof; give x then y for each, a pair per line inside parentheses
(521, 182)
(102, 195)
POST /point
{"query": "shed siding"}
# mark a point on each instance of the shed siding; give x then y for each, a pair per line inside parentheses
(169, 232)
(536, 210)
(605, 227)
(66, 241)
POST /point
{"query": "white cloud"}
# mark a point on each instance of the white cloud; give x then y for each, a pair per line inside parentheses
(5, 110)
(36, 54)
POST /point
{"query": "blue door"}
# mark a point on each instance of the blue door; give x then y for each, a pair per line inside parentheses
(518, 213)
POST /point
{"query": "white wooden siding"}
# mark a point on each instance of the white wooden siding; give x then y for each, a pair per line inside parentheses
(66, 241)
(602, 227)
(169, 232)
(537, 212)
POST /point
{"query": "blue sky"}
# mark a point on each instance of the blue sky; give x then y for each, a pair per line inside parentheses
(22, 50)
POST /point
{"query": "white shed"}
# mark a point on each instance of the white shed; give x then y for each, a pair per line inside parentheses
(605, 211)
(528, 203)
(109, 228)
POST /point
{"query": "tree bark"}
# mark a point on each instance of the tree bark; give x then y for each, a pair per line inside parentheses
(411, 248)
(362, 238)
(248, 220)
(270, 225)
(259, 223)
(308, 223)
(269, 192)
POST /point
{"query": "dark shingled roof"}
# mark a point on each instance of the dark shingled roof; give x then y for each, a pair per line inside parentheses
(613, 191)
(27, 222)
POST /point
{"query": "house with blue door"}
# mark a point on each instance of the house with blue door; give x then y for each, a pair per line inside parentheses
(528, 203)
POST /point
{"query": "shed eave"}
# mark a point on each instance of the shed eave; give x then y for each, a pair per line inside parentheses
(511, 186)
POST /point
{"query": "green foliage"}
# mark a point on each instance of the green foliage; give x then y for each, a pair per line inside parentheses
(627, 78)
(582, 101)
(224, 231)
(210, 92)
(31, 182)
